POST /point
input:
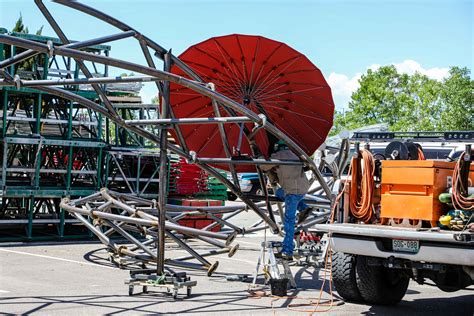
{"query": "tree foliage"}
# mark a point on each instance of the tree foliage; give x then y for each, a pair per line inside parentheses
(21, 28)
(458, 98)
(410, 102)
(155, 100)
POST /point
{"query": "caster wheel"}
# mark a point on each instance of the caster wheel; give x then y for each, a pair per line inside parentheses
(188, 292)
(130, 290)
(145, 289)
(212, 268)
(233, 250)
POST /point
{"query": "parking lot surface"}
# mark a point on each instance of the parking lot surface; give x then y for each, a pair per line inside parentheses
(77, 279)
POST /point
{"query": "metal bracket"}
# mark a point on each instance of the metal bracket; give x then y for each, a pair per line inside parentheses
(50, 46)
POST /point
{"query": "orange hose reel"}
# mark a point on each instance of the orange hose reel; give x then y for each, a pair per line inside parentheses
(362, 186)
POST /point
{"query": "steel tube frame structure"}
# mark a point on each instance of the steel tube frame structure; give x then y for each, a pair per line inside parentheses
(141, 219)
(238, 113)
(137, 215)
(166, 77)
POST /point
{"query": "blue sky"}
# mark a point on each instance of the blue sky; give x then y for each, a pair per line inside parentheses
(342, 38)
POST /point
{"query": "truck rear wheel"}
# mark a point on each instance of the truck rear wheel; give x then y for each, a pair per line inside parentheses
(344, 276)
(379, 285)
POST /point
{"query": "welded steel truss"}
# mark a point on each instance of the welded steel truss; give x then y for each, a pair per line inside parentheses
(128, 215)
(155, 222)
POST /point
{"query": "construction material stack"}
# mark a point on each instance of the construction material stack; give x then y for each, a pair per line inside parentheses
(191, 186)
(186, 179)
(51, 147)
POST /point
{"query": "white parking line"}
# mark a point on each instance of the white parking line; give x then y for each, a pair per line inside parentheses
(256, 243)
(56, 258)
(221, 257)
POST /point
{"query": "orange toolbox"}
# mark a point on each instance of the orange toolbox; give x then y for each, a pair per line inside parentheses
(410, 188)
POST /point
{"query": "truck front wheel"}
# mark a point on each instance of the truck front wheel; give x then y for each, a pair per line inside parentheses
(344, 276)
(379, 285)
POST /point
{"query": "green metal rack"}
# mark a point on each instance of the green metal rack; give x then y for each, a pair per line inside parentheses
(50, 148)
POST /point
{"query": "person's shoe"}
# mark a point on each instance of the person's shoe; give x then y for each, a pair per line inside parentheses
(278, 255)
(284, 256)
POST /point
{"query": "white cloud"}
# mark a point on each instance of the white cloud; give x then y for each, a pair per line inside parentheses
(342, 86)
(410, 67)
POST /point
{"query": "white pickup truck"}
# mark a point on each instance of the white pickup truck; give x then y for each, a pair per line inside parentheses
(374, 263)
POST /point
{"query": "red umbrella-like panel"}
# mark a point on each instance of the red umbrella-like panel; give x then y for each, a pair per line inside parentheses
(264, 75)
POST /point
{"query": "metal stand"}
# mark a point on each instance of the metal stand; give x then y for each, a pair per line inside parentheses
(270, 264)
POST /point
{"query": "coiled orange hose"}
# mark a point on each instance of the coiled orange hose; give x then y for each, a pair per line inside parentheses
(460, 201)
(421, 154)
(362, 186)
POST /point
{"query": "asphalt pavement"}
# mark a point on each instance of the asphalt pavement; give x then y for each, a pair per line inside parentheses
(77, 279)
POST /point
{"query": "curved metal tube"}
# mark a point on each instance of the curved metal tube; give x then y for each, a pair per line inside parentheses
(155, 138)
(124, 27)
(193, 85)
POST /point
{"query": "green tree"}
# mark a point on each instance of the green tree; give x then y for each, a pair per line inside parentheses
(155, 100)
(410, 102)
(21, 28)
(457, 97)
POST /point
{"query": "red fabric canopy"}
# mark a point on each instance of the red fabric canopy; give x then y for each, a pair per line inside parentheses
(268, 77)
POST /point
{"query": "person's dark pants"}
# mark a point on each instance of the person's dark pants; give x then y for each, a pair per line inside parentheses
(293, 202)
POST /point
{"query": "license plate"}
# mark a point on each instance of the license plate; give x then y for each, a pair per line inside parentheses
(403, 245)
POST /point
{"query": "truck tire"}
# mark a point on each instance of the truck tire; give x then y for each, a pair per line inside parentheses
(379, 285)
(344, 276)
